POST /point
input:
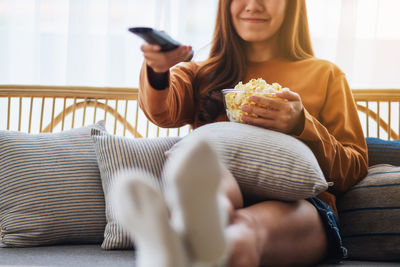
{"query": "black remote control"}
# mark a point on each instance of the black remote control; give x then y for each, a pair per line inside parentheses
(162, 39)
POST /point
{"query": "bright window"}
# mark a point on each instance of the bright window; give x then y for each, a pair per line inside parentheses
(86, 42)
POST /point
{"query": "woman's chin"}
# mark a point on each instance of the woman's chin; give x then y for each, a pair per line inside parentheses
(256, 37)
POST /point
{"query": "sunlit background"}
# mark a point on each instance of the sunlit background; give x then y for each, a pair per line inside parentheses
(86, 42)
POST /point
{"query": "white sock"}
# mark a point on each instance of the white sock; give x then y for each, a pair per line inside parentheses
(193, 177)
(141, 209)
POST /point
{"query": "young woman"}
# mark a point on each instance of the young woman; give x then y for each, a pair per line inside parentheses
(267, 39)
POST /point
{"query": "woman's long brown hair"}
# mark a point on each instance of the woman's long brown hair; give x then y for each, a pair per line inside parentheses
(226, 65)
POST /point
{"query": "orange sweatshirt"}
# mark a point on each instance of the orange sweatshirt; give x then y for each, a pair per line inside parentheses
(332, 128)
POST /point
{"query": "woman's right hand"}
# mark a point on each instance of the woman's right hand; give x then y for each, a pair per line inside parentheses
(161, 62)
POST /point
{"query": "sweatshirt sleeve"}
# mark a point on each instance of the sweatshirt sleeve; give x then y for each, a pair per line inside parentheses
(337, 138)
(174, 105)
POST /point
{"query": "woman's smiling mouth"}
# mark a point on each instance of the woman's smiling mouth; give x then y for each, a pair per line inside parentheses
(254, 20)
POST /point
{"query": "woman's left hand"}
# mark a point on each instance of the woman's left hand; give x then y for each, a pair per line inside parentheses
(275, 114)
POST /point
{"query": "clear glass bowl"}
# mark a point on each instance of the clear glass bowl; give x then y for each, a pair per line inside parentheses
(235, 99)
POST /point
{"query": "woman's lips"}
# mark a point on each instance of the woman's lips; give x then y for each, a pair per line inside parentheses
(255, 20)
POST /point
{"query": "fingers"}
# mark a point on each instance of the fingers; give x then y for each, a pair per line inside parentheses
(148, 48)
(281, 114)
(266, 113)
(288, 95)
(174, 56)
(162, 61)
(277, 124)
(261, 122)
(265, 117)
(269, 102)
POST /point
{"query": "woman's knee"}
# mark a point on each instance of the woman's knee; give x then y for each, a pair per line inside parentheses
(231, 189)
(297, 238)
(290, 234)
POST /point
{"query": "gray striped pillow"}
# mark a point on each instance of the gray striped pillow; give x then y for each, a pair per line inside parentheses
(50, 189)
(116, 153)
(370, 215)
(267, 164)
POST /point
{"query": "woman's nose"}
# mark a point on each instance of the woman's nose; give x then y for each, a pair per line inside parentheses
(255, 5)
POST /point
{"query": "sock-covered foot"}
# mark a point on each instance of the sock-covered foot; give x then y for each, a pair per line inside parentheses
(193, 177)
(142, 211)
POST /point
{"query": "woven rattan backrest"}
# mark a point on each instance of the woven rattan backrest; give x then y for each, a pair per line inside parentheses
(37, 109)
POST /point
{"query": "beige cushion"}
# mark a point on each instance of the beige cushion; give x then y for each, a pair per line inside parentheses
(369, 215)
(267, 164)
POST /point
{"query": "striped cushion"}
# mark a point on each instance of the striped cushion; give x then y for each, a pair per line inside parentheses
(267, 164)
(115, 153)
(370, 215)
(383, 151)
(50, 189)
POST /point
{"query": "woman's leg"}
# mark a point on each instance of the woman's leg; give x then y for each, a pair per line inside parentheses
(272, 233)
(230, 189)
(275, 233)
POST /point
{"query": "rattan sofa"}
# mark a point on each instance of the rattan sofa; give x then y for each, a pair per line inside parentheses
(37, 109)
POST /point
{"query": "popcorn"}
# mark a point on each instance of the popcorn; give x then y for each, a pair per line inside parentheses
(239, 96)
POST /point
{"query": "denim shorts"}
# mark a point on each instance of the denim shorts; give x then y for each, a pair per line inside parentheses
(336, 251)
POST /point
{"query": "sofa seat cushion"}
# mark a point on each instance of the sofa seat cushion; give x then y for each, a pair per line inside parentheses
(369, 215)
(93, 255)
(66, 256)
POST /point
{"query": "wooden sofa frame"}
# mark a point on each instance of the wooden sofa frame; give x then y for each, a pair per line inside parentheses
(57, 107)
